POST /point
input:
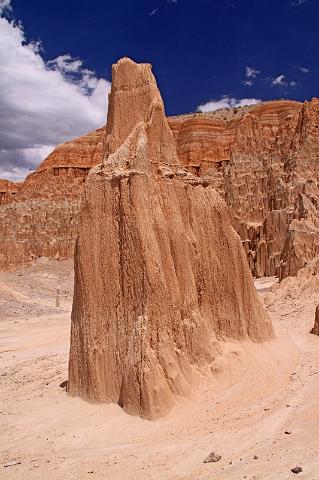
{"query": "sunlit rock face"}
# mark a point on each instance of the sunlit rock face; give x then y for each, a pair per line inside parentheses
(262, 159)
(40, 218)
(161, 278)
(315, 329)
(7, 191)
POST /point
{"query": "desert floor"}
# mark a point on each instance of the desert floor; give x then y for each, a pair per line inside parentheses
(246, 402)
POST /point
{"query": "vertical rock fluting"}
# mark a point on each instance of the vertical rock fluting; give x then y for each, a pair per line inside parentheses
(38, 218)
(160, 275)
(315, 329)
(7, 191)
(262, 159)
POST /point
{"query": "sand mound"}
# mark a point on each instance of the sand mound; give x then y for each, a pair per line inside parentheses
(160, 275)
(305, 283)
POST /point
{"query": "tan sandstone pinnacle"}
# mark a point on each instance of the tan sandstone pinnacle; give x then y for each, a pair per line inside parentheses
(160, 275)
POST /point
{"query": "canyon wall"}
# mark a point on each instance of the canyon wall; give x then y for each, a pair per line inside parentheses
(263, 160)
(7, 191)
(41, 218)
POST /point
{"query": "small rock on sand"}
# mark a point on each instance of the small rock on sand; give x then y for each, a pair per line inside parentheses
(212, 457)
(12, 464)
(296, 470)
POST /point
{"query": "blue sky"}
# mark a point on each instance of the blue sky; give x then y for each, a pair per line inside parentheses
(205, 53)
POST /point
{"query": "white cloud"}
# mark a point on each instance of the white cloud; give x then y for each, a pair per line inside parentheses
(28, 159)
(42, 104)
(280, 80)
(5, 5)
(297, 3)
(303, 69)
(251, 72)
(66, 64)
(226, 102)
(155, 10)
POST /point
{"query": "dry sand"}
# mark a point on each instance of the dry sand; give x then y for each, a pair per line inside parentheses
(253, 394)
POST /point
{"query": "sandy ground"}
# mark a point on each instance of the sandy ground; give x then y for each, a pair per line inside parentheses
(252, 394)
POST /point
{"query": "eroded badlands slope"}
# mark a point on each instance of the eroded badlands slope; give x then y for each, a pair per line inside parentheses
(263, 160)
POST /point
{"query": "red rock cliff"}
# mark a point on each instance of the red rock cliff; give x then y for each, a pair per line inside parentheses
(7, 191)
(41, 218)
(263, 160)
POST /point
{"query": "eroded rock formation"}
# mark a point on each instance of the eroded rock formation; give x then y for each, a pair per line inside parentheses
(41, 218)
(304, 285)
(315, 329)
(262, 159)
(160, 274)
(7, 191)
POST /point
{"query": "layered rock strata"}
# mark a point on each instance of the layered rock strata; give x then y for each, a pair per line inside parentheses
(161, 277)
(7, 191)
(41, 218)
(263, 160)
